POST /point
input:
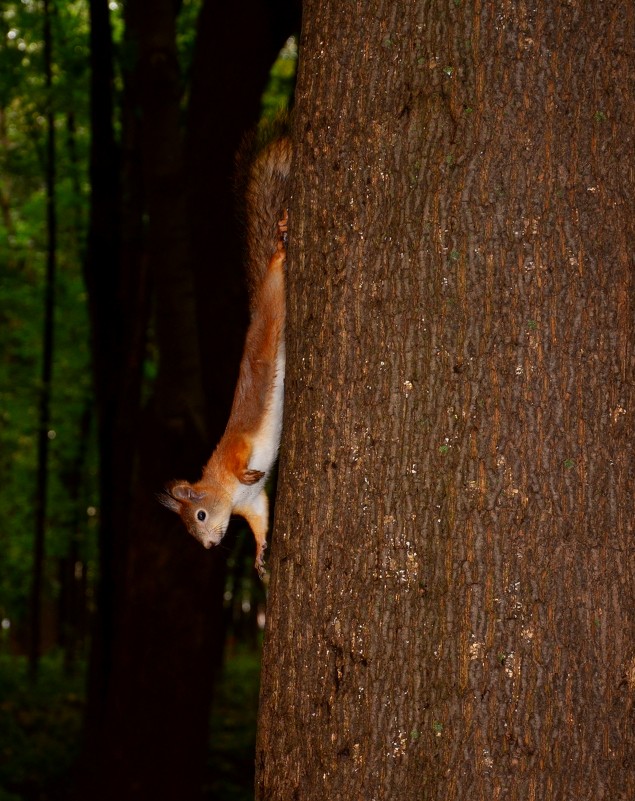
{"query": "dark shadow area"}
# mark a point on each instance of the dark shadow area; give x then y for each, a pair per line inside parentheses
(123, 312)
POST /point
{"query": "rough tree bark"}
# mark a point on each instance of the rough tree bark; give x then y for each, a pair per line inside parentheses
(451, 613)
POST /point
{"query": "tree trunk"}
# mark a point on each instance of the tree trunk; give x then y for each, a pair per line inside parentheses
(451, 612)
(161, 675)
(109, 314)
(72, 567)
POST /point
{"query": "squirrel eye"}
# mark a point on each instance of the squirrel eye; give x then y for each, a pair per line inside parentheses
(200, 515)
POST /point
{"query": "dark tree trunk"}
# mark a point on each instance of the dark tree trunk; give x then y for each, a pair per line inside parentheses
(161, 664)
(166, 603)
(72, 568)
(103, 280)
(117, 287)
(451, 612)
(224, 105)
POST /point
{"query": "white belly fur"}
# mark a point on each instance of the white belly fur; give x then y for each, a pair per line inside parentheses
(267, 440)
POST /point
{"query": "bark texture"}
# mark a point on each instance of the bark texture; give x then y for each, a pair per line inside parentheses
(451, 612)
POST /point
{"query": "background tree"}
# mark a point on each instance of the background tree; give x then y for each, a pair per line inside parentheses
(162, 596)
(451, 612)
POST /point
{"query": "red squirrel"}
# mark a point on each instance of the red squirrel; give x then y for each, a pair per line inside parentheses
(234, 478)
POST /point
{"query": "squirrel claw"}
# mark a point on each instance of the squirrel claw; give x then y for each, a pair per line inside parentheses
(282, 228)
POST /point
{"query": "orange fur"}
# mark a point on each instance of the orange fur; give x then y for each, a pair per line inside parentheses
(234, 477)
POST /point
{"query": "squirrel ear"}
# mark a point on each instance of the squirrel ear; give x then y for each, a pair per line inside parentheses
(182, 491)
(169, 502)
(250, 476)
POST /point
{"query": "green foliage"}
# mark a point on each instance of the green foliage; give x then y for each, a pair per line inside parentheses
(233, 729)
(186, 28)
(23, 243)
(279, 91)
(40, 727)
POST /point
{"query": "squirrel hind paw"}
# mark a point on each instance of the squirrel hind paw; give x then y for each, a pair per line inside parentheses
(283, 223)
(259, 564)
(282, 228)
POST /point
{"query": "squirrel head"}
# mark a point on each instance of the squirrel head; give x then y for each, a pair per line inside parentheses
(205, 511)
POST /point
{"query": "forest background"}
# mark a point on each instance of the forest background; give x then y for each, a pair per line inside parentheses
(79, 367)
(450, 612)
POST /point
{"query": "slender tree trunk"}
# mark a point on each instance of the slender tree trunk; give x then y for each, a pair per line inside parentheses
(116, 276)
(47, 356)
(77, 221)
(103, 266)
(72, 568)
(159, 677)
(451, 613)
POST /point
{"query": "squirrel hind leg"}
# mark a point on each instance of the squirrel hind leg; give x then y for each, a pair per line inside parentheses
(259, 564)
(257, 516)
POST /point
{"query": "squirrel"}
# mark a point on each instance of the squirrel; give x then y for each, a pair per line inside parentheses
(233, 479)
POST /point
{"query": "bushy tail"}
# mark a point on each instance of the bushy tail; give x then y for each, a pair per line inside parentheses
(263, 191)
